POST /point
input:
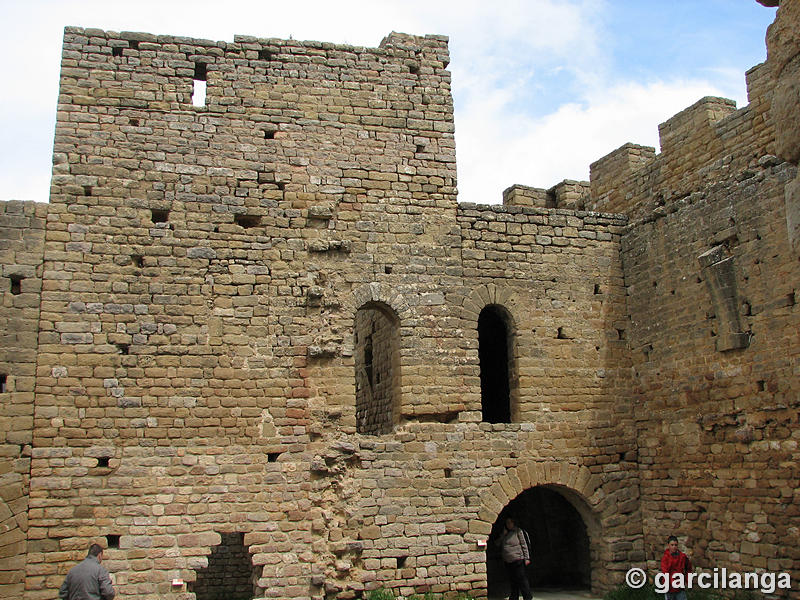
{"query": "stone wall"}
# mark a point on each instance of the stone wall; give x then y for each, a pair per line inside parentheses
(207, 280)
(200, 343)
(22, 227)
(711, 286)
(716, 395)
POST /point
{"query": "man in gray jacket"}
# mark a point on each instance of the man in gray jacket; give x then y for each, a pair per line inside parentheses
(88, 580)
(516, 557)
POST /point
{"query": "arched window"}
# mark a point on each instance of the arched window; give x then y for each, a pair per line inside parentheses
(495, 353)
(376, 357)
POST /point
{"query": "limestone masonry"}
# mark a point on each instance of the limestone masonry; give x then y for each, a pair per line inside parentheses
(255, 347)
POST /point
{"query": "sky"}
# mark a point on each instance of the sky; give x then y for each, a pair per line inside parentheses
(541, 88)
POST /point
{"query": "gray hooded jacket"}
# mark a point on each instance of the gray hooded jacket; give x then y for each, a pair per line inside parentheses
(88, 580)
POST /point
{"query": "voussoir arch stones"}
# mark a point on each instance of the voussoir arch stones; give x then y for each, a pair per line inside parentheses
(378, 293)
(576, 483)
(484, 295)
(375, 294)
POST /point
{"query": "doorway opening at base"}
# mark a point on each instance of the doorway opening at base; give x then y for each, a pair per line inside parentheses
(560, 544)
(229, 575)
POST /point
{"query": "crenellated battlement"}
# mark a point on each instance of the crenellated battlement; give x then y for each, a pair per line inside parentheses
(697, 146)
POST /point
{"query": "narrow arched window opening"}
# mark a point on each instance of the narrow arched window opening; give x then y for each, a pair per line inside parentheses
(376, 352)
(494, 350)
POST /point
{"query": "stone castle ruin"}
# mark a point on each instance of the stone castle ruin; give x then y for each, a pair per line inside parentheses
(255, 347)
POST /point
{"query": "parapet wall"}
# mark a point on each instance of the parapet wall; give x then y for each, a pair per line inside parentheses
(699, 144)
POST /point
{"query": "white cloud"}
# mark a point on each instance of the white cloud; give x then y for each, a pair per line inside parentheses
(497, 149)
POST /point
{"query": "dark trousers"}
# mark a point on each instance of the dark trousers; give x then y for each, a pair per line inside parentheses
(518, 580)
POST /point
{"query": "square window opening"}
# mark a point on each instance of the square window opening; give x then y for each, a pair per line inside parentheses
(16, 284)
(159, 215)
(3, 383)
(199, 93)
(247, 221)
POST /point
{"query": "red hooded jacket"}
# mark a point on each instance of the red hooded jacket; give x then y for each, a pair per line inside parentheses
(675, 564)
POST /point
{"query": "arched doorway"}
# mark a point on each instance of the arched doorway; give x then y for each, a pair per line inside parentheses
(495, 354)
(376, 353)
(559, 538)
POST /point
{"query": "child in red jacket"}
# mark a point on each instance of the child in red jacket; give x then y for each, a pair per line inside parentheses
(675, 561)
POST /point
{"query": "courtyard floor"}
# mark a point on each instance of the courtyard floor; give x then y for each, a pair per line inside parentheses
(552, 594)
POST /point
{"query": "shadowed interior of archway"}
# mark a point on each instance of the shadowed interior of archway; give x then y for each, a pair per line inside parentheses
(559, 539)
(229, 574)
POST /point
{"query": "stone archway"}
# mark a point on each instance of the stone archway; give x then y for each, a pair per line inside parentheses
(575, 497)
(559, 542)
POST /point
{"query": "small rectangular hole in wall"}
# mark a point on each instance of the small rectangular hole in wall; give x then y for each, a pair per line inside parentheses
(448, 472)
(621, 333)
(16, 284)
(596, 289)
(199, 93)
(200, 71)
(273, 456)
(247, 221)
(133, 44)
(387, 269)
(112, 540)
(116, 51)
(137, 260)
(269, 134)
(3, 383)
(762, 385)
(401, 561)
(159, 215)
(87, 190)
(265, 54)
(103, 461)
(133, 122)
(413, 69)
(124, 348)
(420, 148)
(561, 335)
(200, 82)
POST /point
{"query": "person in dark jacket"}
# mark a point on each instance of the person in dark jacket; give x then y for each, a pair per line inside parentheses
(516, 557)
(674, 561)
(88, 580)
